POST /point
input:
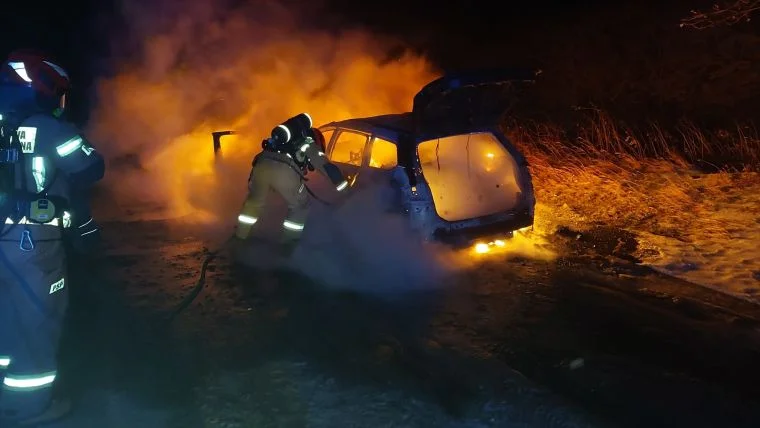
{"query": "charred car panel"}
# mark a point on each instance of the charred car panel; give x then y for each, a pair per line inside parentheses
(449, 107)
(454, 106)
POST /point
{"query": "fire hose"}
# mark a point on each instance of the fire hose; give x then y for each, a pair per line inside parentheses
(199, 283)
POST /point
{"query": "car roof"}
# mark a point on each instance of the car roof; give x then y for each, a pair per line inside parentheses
(388, 126)
(392, 127)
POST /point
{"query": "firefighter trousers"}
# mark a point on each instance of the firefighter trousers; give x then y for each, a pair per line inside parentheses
(273, 176)
(33, 301)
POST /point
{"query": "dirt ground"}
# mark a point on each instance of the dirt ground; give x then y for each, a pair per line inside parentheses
(587, 341)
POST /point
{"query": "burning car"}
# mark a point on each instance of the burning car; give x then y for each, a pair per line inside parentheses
(456, 176)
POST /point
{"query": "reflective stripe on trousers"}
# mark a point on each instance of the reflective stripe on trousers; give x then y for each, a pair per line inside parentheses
(25, 396)
(22, 383)
(33, 302)
(245, 222)
(292, 226)
(246, 219)
(271, 175)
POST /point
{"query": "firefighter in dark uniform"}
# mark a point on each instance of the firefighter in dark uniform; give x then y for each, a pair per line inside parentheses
(44, 162)
(293, 149)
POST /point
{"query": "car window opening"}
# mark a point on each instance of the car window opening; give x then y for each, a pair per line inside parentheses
(384, 154)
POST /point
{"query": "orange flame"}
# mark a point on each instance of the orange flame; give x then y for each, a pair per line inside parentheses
(246, 78)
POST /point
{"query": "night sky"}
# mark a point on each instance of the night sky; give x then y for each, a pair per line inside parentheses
(455, 34)
(76, 31)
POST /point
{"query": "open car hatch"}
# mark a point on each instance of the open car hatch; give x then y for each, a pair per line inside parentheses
(478, 180)
(456, 176)
(459, 101)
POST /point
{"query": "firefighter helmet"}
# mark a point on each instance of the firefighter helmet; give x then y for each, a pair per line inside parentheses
(48, 80)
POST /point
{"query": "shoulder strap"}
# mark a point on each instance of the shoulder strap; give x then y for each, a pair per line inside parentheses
(12, 157)
(9, 153)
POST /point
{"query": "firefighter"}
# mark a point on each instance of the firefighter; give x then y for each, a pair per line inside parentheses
(294, 149)
(44, 160)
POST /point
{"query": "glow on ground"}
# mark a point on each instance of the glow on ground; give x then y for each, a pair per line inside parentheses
(496, 244)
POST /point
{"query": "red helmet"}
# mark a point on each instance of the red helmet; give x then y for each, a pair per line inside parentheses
(319, 138)
(39, 71)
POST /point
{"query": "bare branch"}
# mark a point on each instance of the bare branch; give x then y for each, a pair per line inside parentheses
(729, 13)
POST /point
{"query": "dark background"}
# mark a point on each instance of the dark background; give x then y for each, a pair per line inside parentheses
(73, 32)
(628, 57)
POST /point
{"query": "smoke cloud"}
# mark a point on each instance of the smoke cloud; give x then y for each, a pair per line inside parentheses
(194, 67)
(200, 66)
(363, 244)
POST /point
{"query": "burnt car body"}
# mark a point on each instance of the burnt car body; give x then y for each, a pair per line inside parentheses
(457, 177)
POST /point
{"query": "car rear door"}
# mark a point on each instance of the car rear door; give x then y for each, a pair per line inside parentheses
(347, 150)
(365, 159)
(477, 177)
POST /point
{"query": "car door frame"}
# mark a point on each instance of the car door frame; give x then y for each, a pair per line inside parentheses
(328, 142)
(365, 153)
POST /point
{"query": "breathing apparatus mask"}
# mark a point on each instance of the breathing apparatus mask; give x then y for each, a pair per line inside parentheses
(289, 136)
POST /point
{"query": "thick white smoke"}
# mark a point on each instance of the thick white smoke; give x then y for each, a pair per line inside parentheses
(201, 67)
(363, 244)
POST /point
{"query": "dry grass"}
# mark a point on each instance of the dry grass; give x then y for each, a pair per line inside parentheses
(603, 172)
